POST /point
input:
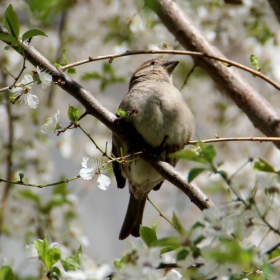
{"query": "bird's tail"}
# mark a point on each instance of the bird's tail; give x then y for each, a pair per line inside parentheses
(133, 217)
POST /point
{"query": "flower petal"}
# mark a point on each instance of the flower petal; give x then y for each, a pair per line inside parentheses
(31, 100)
(87, 173)
(27, 79)
(103, 182)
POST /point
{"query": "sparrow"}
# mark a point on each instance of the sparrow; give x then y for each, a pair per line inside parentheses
(158, 112)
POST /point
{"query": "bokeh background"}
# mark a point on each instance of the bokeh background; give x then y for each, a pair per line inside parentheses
(84, 28)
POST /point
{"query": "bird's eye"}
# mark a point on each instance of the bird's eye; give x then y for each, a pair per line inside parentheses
(153, 62)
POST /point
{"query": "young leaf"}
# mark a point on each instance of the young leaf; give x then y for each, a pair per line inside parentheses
(182, 254)
(73, 114)
(264, 166)
(255, 62)
(61, 188)
(72, 70)
(194, 172)
(169, 241)
(11, 21)
(64, 56)
(203, 153)
(179, 227)
(73, 262)
(42, 247)
(169, 249)
(51, 257)
(6, 273)
(30, 195)
(223, 174)
(9, 38)
(148, 235)
(32, 33)
(154, 227)
(55, 271)
(122, 113)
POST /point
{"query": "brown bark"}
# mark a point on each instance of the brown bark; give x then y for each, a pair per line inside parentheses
(275, 5)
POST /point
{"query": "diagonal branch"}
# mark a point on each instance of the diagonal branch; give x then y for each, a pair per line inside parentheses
(122, 129)
(275, 5)
(229, 81)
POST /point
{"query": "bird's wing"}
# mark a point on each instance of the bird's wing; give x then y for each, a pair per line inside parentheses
(117, 166)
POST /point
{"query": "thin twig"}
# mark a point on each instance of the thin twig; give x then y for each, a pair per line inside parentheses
(40, 185)
(225, 61)
(238, 139)
(188, 75)
(161, 214)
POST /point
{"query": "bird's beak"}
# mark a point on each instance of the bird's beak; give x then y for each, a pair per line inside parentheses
(170, 66)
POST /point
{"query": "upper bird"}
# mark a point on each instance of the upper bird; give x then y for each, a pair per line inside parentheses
(160, 115)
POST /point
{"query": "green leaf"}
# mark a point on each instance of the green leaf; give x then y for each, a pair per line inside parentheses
(72, 70)
(56, 200)
(233, 252)
(9, 38)
(168, 241)
(198, 239)
(274, 254)
(178, 226)
(182, 254)
(30, 195)
(255, 62)
(42, 247)
(154, 227)
(169, 249)
(73, 114)
(72, 263)
(194, 172)
(61, 188)
(46, 11)
(148, 235)
(122, 113)
(107, 68)
(6, 273)
(197, 225)
(203, 153)
(11, 21)
(51, 257)
(32, 33)
(89, 76)
(223, 174)
(55, 271)
(263, 166)
(259, 30)
(64, 56)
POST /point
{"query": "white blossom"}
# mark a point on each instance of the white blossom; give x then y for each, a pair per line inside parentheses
(45, 78)
(94, 166)
(51, 124)
(31, 253)
(23, 92)
(143, 264)
(7, 261)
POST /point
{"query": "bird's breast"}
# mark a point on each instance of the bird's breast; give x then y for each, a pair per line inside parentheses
(160, 114)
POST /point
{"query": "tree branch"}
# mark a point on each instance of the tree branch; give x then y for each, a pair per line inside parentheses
(228, 80)
(122, 129)
(275, 5)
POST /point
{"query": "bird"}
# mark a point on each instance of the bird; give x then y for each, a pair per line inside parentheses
(158, 112)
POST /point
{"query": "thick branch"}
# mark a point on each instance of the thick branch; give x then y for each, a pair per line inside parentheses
(122, 129)
(229, 81)
(275, 5)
